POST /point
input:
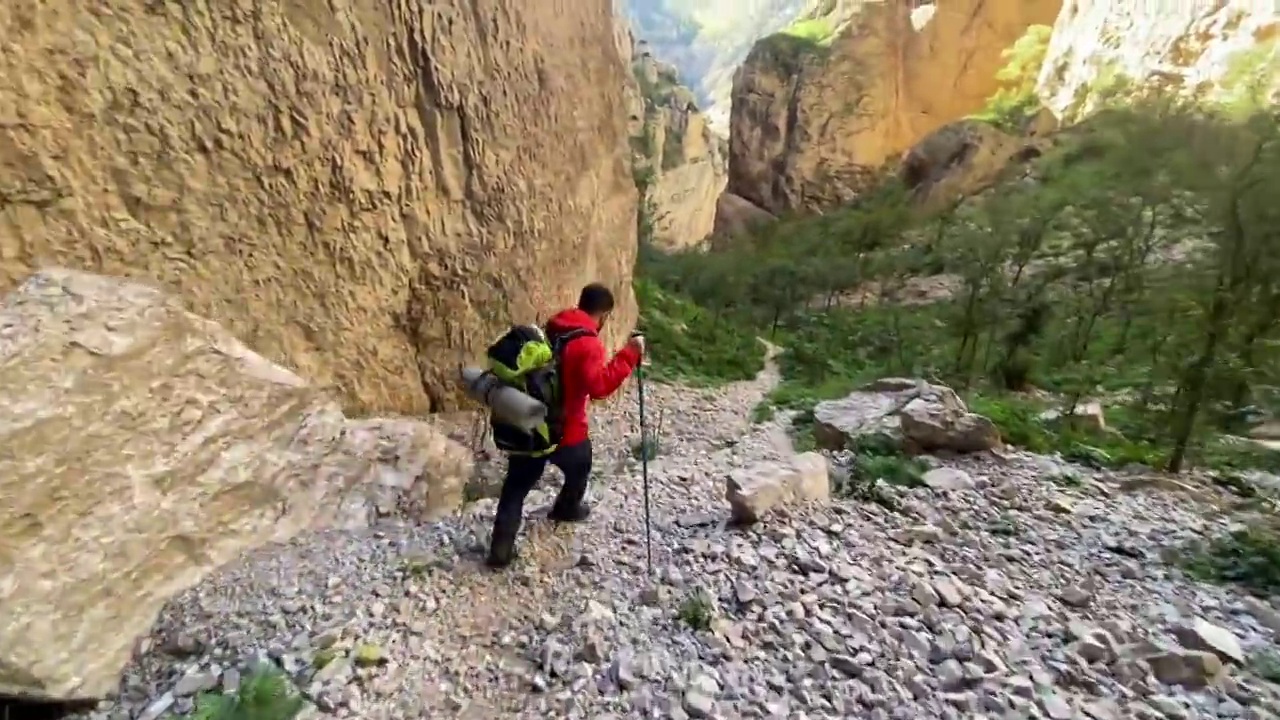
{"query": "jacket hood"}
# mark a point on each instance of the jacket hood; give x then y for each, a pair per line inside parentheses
(572, 319)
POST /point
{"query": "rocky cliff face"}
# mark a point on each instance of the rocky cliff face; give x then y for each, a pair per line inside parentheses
(1209, 48)
(818, 108)
(677, 158)
(366, 191)
(706, 40)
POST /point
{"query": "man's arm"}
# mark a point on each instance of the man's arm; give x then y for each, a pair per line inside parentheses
(603, 379)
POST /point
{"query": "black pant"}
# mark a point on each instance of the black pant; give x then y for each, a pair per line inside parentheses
(524, 472)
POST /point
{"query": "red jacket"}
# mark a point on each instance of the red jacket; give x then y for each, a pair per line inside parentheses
(585, 376)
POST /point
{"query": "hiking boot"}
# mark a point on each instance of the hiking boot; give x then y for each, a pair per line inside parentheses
(576, 514)
(502, 548)
(501, 556)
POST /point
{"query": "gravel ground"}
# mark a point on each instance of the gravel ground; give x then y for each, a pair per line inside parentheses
(1027, 590)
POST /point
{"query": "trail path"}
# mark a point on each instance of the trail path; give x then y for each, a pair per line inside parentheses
(1015, 594)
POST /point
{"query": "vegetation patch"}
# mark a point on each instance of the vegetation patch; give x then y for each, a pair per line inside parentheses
(673, 149)
(1248, 557)
(817, 30)
(265, 694)
(875, 464)
(690, 344)
(696, 611)
(1136, 267)
(1015, 102)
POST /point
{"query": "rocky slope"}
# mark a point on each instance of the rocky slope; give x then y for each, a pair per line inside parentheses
(1214, 50)
(706, 40)
(677, 159)
(363, 191)
(1012, 586)
(144, 447)
(814, 113)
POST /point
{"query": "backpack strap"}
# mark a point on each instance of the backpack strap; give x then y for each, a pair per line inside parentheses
(561, 341)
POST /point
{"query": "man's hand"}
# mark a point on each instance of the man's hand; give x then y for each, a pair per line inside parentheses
(637, 343)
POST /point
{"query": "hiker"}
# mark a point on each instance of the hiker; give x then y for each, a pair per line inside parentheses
(584, 374)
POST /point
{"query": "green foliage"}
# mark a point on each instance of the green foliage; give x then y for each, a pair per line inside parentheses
(1138, 266)
(1015, 102)
(649, 446)
(878, 462)
(1252, 76)
(1125, 442)
(265, 694)
(691, 344)
(1249, 557)
(1266, 665)
(697, 611)
(817, 30)
(645, 145)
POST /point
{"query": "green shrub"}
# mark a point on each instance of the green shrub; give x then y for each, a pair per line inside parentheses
(691, 345)
(1016, 102)
(697, 611)
(1250, 558)
(265, 694)
(877, 462)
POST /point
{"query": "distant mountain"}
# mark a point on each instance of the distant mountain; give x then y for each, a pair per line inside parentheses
(706, 40)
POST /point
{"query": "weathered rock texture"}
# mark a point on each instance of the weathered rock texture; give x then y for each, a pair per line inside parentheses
(963, 158)
(144, 447)
(677, 158)
(811, 122)
(362, 190)
(907, 413)
(1207, 48)
(736, 215)
(755, 491)
(707, 40)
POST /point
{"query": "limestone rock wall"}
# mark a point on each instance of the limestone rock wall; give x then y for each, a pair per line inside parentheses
(144, 446)
(677, 157)
(365, 191)
(812, 120)
(1208, 48)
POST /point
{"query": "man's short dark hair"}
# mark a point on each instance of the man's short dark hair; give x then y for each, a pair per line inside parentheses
(596, 299)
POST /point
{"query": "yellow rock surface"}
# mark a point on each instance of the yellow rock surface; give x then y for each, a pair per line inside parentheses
(812, 122)
(364, 191)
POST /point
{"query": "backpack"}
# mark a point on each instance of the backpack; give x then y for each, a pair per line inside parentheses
(528, 359)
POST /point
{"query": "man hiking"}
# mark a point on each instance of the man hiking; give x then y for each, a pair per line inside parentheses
(584, 375)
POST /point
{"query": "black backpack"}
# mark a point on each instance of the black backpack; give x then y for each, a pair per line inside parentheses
(528, 359)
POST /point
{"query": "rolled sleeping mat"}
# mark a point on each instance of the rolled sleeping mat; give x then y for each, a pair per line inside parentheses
(508, 404)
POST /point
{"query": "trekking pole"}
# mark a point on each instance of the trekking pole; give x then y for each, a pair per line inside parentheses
(644, 467)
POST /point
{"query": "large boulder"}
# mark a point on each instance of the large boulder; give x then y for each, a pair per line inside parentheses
(737, 216)
(911, 414)
(365, 191)
(961, 159)
(753, 492)
(143, 447)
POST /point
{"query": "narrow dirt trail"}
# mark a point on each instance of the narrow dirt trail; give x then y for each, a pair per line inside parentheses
(478, 612)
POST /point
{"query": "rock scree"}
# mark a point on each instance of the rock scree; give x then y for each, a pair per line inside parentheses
(363, 191)
(1001, 590)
